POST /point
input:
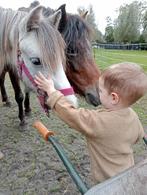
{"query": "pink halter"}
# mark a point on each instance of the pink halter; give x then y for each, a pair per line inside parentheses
(22, 68)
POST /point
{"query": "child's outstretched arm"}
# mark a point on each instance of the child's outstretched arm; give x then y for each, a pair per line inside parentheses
(81, 119)
(46, 84)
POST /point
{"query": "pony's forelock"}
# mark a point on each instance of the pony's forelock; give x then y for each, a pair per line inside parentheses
(51, 45)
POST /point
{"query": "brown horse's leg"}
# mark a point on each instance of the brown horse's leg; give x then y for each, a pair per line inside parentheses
(18, 94)
(3, 90)
(27, 104)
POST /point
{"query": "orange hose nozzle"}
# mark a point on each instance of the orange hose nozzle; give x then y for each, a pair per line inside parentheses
(42, 130)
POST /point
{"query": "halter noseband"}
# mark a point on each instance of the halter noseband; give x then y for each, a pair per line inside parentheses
(41, 94)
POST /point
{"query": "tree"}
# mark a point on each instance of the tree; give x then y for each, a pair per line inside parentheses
(127, 25)
(97, 35)
(144, 33)
(109, 38)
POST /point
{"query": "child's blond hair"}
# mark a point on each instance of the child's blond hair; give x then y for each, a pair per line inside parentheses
(127, 79)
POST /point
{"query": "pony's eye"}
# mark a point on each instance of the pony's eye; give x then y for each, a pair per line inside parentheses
(35, 61)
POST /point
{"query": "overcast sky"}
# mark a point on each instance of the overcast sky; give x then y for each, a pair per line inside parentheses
(102, 8)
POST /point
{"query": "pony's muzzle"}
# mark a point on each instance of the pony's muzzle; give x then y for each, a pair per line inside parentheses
(91, 99)
(42, 97)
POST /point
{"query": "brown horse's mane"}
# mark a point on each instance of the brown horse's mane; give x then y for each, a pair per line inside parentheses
(75, 33)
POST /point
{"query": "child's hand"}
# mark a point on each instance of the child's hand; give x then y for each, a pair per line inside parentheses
(46, 85)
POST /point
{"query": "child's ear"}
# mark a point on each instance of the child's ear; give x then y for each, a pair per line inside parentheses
(115, 98)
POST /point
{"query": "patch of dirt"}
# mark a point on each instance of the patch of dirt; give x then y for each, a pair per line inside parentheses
(31, 165)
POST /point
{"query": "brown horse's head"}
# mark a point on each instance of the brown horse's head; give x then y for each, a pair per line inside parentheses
(81, 68)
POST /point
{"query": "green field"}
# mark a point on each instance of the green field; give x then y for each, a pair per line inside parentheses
(106, 57)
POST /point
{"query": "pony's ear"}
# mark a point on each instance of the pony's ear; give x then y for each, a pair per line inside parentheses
(84, 15)
(63, 20)
(55, 18)
(34, 18)
(34, 4)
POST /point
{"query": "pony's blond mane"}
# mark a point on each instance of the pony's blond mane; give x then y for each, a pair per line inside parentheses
(9, 21)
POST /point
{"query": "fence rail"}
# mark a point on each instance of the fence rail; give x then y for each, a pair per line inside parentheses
(136, 46)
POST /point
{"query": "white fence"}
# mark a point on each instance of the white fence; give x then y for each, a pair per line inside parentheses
(137, 46)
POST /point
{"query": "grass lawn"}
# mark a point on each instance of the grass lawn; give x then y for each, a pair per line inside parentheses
(106, 57)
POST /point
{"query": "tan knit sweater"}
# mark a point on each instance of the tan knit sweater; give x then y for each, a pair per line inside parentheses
(109, 134)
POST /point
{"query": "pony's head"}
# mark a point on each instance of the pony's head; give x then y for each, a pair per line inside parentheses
(81, 68)
(42, 49)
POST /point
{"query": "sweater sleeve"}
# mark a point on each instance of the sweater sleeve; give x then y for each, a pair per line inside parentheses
(83, 120)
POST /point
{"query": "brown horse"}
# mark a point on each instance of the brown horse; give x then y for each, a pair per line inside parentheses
(81, 69)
